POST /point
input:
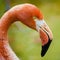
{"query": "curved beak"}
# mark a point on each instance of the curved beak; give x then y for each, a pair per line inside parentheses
(45, 35)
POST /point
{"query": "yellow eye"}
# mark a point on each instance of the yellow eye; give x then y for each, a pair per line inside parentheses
(34, 17)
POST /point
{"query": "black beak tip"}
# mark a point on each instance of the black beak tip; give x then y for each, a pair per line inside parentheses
(45, 48)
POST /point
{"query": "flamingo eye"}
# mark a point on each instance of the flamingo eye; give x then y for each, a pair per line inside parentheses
(34, 17)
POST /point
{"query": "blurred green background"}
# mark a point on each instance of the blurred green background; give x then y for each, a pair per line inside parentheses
(23, 39)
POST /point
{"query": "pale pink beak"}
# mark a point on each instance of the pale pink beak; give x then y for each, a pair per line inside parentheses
(45, 35)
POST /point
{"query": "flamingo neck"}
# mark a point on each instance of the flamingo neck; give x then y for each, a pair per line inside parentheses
(7, 19)
(5, 50)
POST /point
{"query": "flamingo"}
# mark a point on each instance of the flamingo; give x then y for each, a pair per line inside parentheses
(32, 17)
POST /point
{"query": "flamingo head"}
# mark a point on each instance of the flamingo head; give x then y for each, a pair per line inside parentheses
(31, 16)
